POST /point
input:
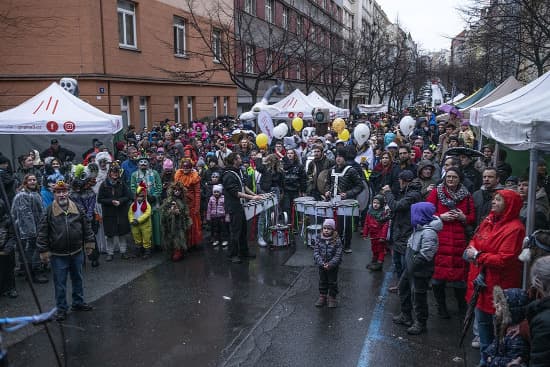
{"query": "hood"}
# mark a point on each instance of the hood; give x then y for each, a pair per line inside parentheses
(423, 164)
(513, 204)
(422, 213)
(514, 303)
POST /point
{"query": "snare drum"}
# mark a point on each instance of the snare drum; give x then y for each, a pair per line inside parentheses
(313, 233)
(323, 209)
(348, 207)
(279, 235)
(309, 207)
(300, 203)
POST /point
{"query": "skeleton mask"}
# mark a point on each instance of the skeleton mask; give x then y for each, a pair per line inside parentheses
(70, 85)
(307, 132)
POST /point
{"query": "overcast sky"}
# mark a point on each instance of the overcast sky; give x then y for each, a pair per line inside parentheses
(432, 23)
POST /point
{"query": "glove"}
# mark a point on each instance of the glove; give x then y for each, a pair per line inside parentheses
(89, 247)
(135, 222)
(45, 257)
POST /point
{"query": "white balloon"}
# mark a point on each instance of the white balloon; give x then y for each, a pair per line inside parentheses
(406, 125)
(361, 133)
(280, 130)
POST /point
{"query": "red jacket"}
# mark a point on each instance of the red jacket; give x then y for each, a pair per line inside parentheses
(377, 231)
(449, 264)
(499, 238)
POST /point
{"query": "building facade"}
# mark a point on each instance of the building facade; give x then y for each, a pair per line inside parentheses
(140, 59)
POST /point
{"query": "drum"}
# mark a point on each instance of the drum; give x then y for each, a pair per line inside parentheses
(323, 209)
(309, 207)
(348, 208)
(313, 233)
(279, 235)
(299, 203)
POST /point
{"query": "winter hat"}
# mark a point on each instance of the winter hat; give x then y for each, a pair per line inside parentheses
(422, 213)
(380, 199)
(406, 175)
(4, 159)
(329, 223)
(392, 145)
(167, 164)
(217, 188)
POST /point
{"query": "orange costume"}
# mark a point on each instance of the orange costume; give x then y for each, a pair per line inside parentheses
(192, 183)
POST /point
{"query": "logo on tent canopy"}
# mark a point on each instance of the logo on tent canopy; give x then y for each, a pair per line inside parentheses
(301, 115)
(52, 126)
(69, 126)
(291, 115)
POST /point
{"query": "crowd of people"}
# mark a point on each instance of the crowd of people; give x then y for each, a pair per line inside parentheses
(447, 221)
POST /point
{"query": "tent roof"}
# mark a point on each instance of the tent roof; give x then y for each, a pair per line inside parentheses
(506, 87)
(55, 111)
(457, 98)
(296, 102)
(521, 119)
(318, 101)
(476, 96)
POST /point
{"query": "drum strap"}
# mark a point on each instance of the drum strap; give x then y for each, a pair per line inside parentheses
(336, 178)
(240, 178)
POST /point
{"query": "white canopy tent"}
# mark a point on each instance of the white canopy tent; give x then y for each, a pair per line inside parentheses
(318, 101)
(520, 121)
(55, 113)
(457, 98)
(293, 105)
(506, 87)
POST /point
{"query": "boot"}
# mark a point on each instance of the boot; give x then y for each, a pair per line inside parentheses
(146, 254)
(39, 278)
(321, 301)
(439, 294)
(332, 302)
(261, 242)
(460, 295)
(376, 266)
(403, 319)
(417, 328)
(177, 255)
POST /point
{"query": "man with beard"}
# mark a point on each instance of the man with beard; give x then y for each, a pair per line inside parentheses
(62, 234)
(343, 183)
(27, 211)
(320, 164)
(484, 196)
(405, 161)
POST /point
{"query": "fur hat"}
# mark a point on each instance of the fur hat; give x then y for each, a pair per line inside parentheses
(513, 302)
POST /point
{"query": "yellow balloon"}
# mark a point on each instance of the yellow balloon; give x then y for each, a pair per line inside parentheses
(344, 135)
(338, 125)
(262, 140)
(298, 124)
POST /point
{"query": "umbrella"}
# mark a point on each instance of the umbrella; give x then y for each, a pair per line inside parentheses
(479, 284)
(449, 108)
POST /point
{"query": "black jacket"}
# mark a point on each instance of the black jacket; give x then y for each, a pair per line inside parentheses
(269, 178)
(350, 182)
(7, 236)
(538, 315)
(295, 176)
(232, 181)
(472, 174)
(64, 155)
(64, 233)
(400, 207)
(482, 202)
(115, 218)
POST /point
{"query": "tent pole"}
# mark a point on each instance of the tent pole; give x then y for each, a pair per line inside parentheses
(531, 202)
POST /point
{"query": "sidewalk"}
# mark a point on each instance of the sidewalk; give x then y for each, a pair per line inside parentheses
(97, 283)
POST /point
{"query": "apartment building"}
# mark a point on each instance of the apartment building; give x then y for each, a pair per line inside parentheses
(142, 59)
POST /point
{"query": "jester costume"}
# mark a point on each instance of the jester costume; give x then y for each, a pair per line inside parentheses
(175, 221)
(139, 216)
(191, 180)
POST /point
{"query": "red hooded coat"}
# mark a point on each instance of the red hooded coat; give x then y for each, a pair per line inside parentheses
(499, 238)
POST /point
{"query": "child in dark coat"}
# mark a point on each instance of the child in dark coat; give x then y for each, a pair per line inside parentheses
(376, 227)
(419, 267)
(509, 348)
(328, 256)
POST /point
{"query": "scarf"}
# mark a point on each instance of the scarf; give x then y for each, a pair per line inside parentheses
(379, 215)
(451, 198)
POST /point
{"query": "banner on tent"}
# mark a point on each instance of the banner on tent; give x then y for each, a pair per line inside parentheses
(265, 123)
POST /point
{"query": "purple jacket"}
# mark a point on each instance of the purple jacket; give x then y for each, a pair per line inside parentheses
(215, 208)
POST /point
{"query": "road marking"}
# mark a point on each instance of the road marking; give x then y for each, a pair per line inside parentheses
(373, 333)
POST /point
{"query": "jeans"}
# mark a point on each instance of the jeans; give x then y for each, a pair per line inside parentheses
(328, 281)
(486, 332)
(61, 266)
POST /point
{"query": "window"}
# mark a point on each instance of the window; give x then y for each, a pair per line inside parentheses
(299, 25)
(285, 18)
(177, 109)
(250, 6)
(179, 36)
(190, 101)
(215, 105)
(249, 59)
(225, 100)
(125, 110)
(217, 45)
(126, 11)
(143, 112)
(269, 11)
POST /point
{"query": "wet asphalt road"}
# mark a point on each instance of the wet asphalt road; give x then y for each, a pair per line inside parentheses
(205, 311)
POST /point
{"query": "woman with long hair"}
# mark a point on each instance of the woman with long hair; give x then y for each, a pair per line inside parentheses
(385, 173)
